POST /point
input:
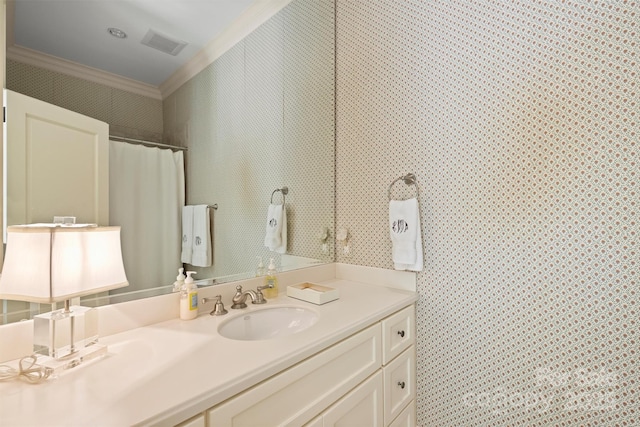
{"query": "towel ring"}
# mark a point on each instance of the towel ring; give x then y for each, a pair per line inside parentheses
(409, 179)
(283, 190)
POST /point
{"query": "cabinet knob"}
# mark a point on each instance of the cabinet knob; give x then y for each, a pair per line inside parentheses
(401, 333)
(401, 384)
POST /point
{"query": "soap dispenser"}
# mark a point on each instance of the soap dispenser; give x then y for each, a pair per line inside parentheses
(177, 285)
(189, 298)
(271, 280)
(260, 268)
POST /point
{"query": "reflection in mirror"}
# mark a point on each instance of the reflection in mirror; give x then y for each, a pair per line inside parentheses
(258, 118)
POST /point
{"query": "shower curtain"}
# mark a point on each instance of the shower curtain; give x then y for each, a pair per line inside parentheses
(146, 195)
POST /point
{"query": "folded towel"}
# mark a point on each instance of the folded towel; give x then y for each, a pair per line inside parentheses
(283, 233)
(406, 234)
(272, 237)
(187, 234)
(201, 237)
(276, 231)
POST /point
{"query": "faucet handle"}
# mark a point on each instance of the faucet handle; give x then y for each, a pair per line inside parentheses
(260, 296)
(218, 309)
(262, 288)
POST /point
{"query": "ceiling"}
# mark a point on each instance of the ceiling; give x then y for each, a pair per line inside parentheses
(76, 30)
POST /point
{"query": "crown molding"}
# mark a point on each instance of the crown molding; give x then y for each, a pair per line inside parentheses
(254, 16)
(52, 63)
(59, 65)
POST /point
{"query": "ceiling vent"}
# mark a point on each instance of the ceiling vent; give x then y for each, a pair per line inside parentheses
(163, 43)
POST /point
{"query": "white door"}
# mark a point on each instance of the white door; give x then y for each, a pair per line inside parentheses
(56, 163)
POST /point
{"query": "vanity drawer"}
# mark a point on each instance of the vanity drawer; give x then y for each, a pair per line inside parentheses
(295, 396)
(398, 333)
(399, 384)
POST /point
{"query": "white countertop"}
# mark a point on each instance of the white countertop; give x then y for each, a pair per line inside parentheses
(172, 370)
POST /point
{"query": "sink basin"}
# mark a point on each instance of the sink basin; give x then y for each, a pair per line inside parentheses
(268, 323)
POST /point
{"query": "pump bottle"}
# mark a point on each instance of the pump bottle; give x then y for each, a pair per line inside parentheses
(260, 268)
(177, 285)
(271, 280)
(189, 298)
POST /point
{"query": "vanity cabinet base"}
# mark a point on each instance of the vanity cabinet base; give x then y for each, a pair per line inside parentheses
(366, 379)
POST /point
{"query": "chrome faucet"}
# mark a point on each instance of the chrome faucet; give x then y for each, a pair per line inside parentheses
(256, 296)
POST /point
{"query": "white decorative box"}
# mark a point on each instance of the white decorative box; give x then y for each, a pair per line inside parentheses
(310, 292)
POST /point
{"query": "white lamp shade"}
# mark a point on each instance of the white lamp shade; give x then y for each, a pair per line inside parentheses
(46, 263)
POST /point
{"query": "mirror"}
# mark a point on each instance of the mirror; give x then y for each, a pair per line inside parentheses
(258, 118)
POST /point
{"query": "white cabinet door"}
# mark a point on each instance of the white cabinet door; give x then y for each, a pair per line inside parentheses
(362, 407)
(56, 163)
(294, 396)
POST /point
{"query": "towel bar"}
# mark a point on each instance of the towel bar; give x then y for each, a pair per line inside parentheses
(409, 179)
(283, 190)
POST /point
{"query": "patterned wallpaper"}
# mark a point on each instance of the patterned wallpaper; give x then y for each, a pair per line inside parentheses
(128, 114)
(520, 121)
(259, 118)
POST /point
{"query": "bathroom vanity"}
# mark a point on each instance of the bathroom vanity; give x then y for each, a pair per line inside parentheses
(365, 379)
(355, 363)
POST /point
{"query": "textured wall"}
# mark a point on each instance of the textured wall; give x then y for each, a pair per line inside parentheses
(128, 114)
(259, 118)
(520, 120)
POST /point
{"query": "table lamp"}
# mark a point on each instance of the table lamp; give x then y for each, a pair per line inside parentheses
(47, 263)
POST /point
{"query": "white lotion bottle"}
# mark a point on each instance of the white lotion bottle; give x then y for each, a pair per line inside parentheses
(177, 285)
(189, 298)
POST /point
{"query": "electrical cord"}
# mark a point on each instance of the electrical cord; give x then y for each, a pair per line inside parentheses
(28, 370)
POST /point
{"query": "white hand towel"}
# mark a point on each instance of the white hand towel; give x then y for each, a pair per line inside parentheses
(187, 234)
(283, 233)
(276, 230)
(406, 234)
(201, 237)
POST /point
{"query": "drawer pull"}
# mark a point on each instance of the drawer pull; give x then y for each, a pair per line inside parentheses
(401, 384)
(401, 333)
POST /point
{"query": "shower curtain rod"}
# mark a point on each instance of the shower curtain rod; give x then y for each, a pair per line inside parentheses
(143, 142)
